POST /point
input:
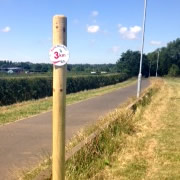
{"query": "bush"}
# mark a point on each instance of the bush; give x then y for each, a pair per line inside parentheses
(22, 89)
(17, 90)
(174, 71)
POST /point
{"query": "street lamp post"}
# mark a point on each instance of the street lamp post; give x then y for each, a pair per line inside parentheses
(157, 64)
(140, 68)
(149, 68)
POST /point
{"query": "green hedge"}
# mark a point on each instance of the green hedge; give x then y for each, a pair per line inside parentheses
(22, 89)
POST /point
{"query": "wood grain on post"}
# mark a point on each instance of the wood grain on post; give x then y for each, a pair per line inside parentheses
(59, 102)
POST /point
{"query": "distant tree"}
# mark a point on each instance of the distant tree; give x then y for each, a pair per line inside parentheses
(129, 63)
(25, 66)
(38, 68)
(80, 67)
(169, 55)
(69, 67)
(44, 68)
(174, 71)
(91, 67)
(152, 61)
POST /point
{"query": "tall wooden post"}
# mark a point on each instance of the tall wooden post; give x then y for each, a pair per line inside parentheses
(59, 101)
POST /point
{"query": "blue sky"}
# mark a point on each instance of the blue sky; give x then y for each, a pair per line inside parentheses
(98, 30)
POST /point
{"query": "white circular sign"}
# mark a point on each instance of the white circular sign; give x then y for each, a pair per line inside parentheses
(59, 55)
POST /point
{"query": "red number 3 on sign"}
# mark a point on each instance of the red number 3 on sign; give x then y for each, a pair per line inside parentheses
(56, 55)
(59, 55)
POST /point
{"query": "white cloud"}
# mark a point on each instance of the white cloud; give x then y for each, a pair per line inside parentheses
(94, 13)
(123, 30)
(156, 43)
(93, 28)
(6, 29)
(115, 49)
(129, 33)
(135, 29)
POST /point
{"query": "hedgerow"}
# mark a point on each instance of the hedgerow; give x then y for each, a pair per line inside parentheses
(22, 89)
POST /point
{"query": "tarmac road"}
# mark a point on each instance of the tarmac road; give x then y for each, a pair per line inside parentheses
(24, 143)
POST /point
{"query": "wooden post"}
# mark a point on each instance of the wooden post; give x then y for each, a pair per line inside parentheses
(59, 102)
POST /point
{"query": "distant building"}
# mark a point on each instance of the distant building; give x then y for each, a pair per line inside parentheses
(11, 70)
(93, 72)
(103, 72)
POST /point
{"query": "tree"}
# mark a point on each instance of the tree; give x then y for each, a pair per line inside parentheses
(37, 67)
(152, 60)
(25, 65)
(129, 63)
(44, 68)
(169, 55)
(174, 71)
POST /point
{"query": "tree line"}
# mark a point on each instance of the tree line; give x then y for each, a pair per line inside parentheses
(27, 66)
(43, 67)
(169, 59)
(169, 63)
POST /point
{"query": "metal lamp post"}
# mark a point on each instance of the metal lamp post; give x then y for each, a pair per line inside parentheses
(157, 64)
(149, 68)
(140, 68)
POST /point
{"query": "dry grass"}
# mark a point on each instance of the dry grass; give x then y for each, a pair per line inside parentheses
(97, 154)
(168, 151)
(83, 133)
(137, 160)
(153, 152)
(26, 174)
(100, 153)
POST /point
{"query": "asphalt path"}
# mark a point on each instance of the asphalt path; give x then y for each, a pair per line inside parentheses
(24, 143)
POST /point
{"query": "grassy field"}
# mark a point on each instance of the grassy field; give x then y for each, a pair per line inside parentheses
(153, 151)
(46, 74)
(26, 109)
(23, 75)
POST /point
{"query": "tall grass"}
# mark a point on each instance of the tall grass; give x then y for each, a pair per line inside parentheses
(98, 153)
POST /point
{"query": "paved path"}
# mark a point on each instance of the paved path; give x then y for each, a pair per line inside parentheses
(23, 143)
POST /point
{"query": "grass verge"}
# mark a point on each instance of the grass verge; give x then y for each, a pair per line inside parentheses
(27, 109)
(153, 152)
